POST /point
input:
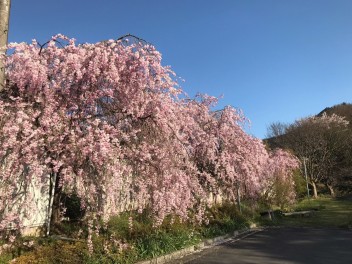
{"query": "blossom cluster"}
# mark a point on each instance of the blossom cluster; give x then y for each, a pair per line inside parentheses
(108, 122)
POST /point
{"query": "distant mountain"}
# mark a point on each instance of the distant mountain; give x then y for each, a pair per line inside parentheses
(344, 109)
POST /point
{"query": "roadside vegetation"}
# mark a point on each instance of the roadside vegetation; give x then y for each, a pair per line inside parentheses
(131, 237)
(126, 239)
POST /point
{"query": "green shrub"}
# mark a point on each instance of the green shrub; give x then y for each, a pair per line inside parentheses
(224, 219)
(300, 185)
(119, 243)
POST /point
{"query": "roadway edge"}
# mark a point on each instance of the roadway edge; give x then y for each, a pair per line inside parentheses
(206, 243)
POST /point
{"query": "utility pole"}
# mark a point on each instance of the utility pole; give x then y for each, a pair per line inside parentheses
(4, 30)
(305, 173)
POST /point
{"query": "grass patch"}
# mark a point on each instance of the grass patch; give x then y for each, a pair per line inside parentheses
(327, 212)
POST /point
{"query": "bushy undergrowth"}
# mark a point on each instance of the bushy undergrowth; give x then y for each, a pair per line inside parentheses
(129, 237)
(224, 219)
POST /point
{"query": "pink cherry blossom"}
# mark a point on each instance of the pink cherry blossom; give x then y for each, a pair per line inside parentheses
(108, 122)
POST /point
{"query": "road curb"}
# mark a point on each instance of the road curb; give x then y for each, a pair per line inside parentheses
(206, 243)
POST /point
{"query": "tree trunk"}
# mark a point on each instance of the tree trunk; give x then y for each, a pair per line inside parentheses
(239, 199)
(56, 204)
(331, 189)
(315, 192)
(4, 29)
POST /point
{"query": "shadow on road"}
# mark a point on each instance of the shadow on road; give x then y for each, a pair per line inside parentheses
(284, 245)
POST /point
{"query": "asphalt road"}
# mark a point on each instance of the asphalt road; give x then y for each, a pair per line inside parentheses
(281, 245)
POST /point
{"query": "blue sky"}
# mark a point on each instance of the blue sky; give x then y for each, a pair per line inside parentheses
(276, 60)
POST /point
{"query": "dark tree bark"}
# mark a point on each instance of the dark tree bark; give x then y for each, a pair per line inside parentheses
(56, 204)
